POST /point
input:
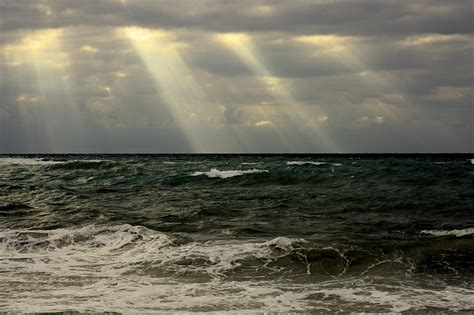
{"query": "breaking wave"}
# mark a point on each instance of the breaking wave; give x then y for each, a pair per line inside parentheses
(134, 268)
(215, 173)
(311, 163)
(120, 249)
(457, 233)
(27, 161)
(39, 161)
(289, 234)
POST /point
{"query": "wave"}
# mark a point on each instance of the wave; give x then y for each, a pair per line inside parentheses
(215, 173)
(84, 164)
(182, 162)
(457, 233)
(140, 269)
(121, 249)
(311, 163)
(37, 161)
(28, 161)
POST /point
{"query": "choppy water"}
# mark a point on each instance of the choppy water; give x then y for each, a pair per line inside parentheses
(276, 233)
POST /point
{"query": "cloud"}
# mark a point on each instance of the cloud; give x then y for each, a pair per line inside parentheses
(356, 69)
(304, 17)
(120, 74)
(323, 118)
(89, 49)
(232, 115)
(263, 123)
(379, 120)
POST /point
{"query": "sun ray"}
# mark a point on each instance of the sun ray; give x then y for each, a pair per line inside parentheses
(184, 98)
(343, 50)
(52, 105)
(242, 46)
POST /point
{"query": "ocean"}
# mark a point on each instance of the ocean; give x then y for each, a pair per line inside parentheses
(237, 233)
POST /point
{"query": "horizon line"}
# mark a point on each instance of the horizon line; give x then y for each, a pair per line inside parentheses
(234, 153)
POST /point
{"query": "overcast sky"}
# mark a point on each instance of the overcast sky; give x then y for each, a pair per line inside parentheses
(236, 76)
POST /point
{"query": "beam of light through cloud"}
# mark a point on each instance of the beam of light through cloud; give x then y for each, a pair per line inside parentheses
(312, 76)
(186, 101)
(50, 104)
(344, 50)
(242, 46)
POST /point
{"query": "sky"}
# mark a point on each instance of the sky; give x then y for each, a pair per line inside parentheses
(241, 76)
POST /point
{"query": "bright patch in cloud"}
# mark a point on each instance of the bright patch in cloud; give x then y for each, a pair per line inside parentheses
(89, 49)
(433, 39)
(39, 47)
(120, 74)
(160, 41)
(146, 34)
(365, 121)
(263, 123)
(27, 99)
(271, 82)
(322, 118)
(324, 40)
(233, 39)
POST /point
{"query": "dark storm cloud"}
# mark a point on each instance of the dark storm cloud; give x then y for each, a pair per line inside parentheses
(391, 17)
(390, 76)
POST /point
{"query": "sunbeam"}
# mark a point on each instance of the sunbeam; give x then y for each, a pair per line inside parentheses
(343, 50)
(188, 104)
(298, 115)
(49, 102)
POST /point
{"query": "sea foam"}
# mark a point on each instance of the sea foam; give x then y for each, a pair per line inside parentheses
(119, 249)
(215, 173)
(457, 233)
(35, 161)
(126, 268)
(311, 163)
(27, 161)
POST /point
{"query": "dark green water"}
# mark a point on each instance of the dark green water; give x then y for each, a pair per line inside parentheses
(271, 233)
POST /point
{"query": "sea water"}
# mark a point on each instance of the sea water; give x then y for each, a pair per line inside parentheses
(237, 233)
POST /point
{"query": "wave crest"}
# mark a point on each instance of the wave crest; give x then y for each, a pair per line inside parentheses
(40, 161)
(27, 161)
(145, 268)
(311, 163)
(457, 233)
(121, 249)
(215, 173)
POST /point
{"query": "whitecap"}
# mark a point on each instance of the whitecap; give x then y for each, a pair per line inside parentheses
(311, 163)
(40, 161)
(114, 250)
(90, 161)
(27, 161)
(215, 173)
(457, 233)
(132, 269)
